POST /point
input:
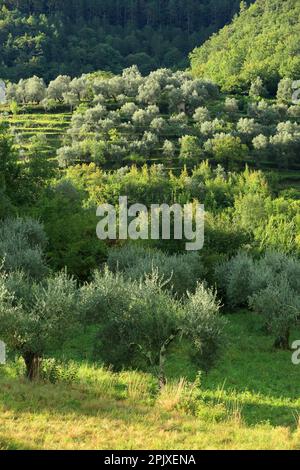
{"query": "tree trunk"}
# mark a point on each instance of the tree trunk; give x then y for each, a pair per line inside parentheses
(32, 362)
(283, 342)
(162, 359)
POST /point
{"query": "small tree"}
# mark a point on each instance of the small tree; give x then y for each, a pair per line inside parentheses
(279, 305)
(169, 149)
(35, 90)
(231, 105)
(285, 91)
(257, 89)
(58, 87)
(203, 326)
(201, 115)
(140, 320)
(14, 107)
(190, 148)
(227, 149)
(36, 317)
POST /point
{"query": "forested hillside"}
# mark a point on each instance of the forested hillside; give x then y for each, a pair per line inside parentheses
(113, 334)
(263, 41)
(46, 38)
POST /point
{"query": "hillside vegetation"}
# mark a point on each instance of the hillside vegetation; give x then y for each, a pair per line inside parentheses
(165, 117)
(262, 41)
(124, 339)
(51, 38)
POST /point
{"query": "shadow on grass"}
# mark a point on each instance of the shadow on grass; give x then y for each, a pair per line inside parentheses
(250, 377)
(12, 444)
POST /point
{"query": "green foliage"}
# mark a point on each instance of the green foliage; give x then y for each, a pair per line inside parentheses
(54, 371)
(227, 149)
(280, 307)
(204, 326)
(22, 242)
(189, 149)
(139, 316)
(144, 319)
(182, 272)
(103, 35)
(252, 46)
(269, 285)
(257, 89)
(71, 231)
(9, 172)
(36, 316)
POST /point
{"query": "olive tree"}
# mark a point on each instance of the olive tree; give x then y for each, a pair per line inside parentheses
(279, 305)
(285, 91)
(231, 105)
(36, 317)
(189, 148)
(58, 87)
(169, 149)
(227, 149)
(22, 242)
(257, 88)
(140, 320)
(183, 270)
(201, 115)
(270, 286)
(35, 90)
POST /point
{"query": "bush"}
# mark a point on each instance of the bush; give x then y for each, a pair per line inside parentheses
(183, 271)
(269, 285)
(204, 326)
(54, 371)
(139, 320)
(21, 247)
(234, 279)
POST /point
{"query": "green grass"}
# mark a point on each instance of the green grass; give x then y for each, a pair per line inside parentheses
(250, 400)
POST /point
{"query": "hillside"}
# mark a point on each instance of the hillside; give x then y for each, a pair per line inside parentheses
(51, 38)
(129, 317)
(262, 41)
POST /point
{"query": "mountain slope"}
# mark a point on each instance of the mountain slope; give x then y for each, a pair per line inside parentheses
(80, 36)
(262, 41)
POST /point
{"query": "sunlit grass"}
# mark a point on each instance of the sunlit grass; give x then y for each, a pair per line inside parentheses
(248, 401)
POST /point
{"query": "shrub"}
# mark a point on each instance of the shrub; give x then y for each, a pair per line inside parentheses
(139, 320)
(279, 304)
(21, 246)
(36, 316)
(53, 371)
(204, 326)
(234, 278)
(183, 270)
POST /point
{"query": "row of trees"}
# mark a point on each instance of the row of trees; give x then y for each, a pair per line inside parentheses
(137, 320)
(168, 115)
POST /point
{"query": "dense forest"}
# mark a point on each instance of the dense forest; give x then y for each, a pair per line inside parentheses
(46, 38)
(262, 41)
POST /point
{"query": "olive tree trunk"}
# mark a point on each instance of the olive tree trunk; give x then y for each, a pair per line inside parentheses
(162, 359)
(283, 341)
(32, 362)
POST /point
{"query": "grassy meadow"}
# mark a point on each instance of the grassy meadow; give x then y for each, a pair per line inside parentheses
(250, 400)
